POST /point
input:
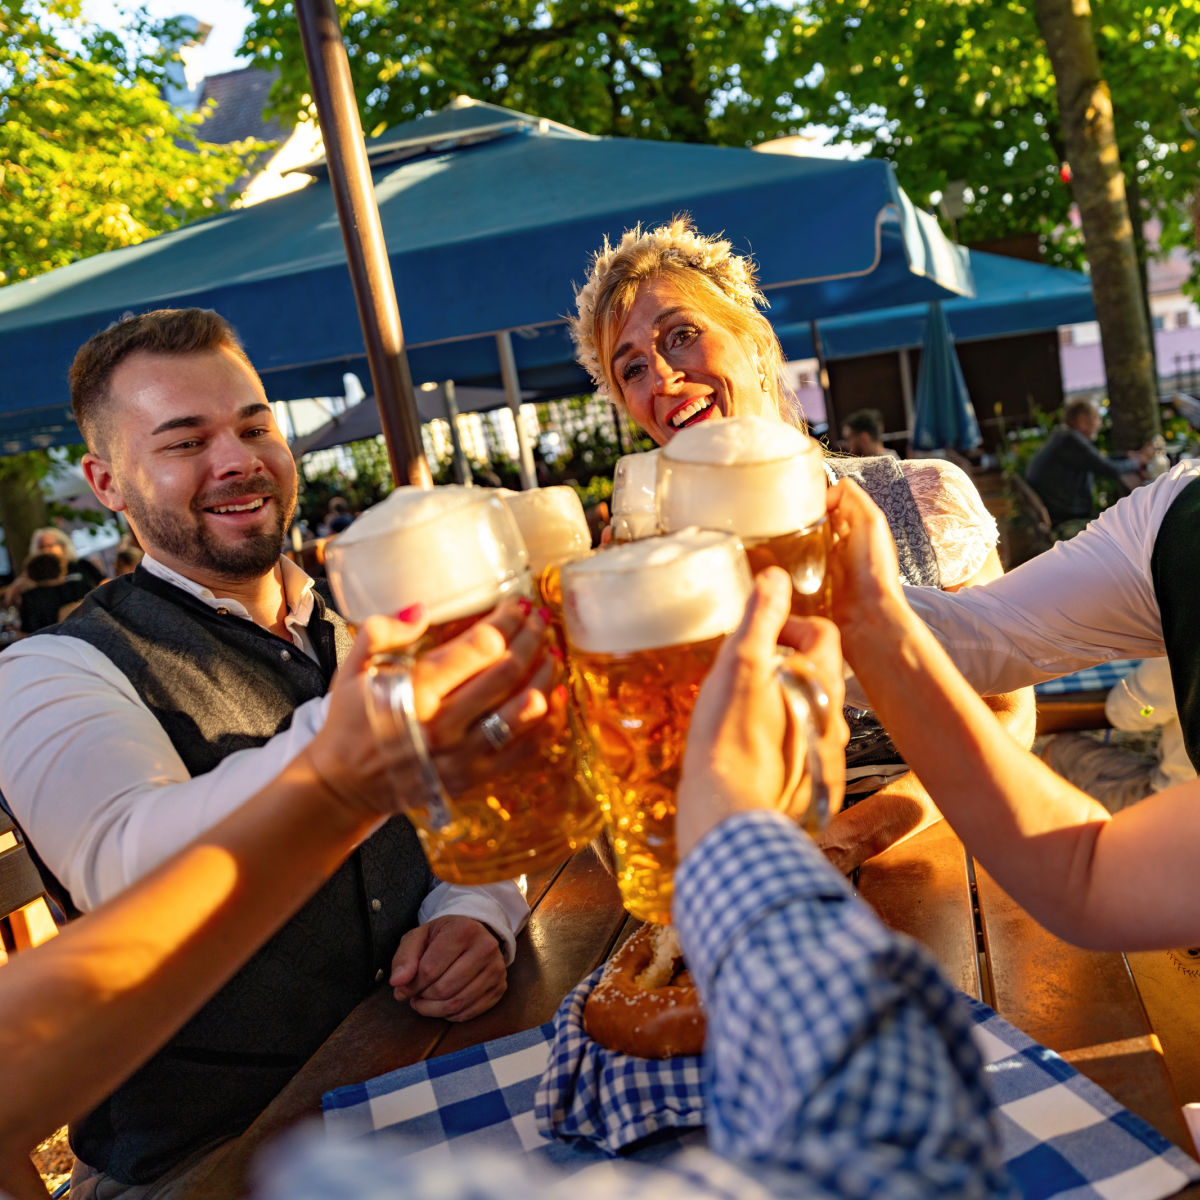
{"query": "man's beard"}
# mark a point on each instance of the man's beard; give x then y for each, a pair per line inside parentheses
(189, 540)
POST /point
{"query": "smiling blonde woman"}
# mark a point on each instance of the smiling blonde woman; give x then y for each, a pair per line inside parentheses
(669, 325)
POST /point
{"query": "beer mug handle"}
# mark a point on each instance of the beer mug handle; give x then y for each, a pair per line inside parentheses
(393, 714)
(810, 705)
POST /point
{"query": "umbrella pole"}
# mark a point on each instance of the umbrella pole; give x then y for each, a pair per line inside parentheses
(512, 392)
(822, 372)
(362, 231)
(462, 468)
(906, 391)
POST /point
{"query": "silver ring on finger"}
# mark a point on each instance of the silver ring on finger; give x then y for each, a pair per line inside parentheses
(497, 730)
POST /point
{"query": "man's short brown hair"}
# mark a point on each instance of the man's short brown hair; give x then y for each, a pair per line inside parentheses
(163, 331)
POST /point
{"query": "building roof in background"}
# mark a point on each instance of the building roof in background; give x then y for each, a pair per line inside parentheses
(240, 97)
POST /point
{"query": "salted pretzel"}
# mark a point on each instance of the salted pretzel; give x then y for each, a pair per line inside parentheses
(646, 1003)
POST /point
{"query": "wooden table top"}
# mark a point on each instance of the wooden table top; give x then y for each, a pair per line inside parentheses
(1084, 1004)
(1061, 711)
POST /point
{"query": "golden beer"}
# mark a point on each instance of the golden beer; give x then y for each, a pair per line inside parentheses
(803, 556)
(762, 480)
(458, 552)
(644, 623)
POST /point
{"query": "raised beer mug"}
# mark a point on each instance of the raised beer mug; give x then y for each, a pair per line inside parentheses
(458, 552)
(762, 480)
(634, 515)
(644, 624)
(555, 531)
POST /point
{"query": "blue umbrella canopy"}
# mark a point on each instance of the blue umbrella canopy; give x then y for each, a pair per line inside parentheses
(489, 217)
(944, 414)
(1012, 297)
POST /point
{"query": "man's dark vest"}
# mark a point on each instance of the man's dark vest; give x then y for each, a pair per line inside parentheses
(883, 480)
(1175, 569)
(218, 684)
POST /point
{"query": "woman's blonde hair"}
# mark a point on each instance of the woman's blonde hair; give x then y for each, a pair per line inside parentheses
(707, 274)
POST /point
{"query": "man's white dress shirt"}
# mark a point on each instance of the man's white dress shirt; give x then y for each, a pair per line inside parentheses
(1084, 601)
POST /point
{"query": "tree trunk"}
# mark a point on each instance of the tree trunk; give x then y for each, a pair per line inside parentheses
(1085, 114)
(1133, 192)
(22, 508)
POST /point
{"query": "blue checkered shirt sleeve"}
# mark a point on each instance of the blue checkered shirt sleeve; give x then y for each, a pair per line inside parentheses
(837, 1052)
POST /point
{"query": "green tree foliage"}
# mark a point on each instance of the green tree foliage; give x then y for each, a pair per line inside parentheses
(689, 70)
(91, 158)
(964, 91)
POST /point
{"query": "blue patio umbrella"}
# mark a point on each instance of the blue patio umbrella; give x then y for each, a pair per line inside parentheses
(489, 218)
(944, 416)
(1012, 297)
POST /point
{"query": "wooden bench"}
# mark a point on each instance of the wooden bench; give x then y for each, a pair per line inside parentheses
(23, 906)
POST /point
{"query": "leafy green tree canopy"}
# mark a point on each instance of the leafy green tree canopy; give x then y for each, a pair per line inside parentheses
(950, 92)
(91, 157)
(687, 70)
(964, 91)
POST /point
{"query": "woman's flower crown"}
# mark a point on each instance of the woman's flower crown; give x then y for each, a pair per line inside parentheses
(642, 254)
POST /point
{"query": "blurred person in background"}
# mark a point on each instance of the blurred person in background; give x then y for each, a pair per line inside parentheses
(862, 434)
(127, 559)
(51, 540)
(1063, 472)
(52, 589)
(337, 517)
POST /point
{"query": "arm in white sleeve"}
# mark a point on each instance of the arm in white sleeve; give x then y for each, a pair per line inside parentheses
(499, 906)
(1085, 601)
(93, 778)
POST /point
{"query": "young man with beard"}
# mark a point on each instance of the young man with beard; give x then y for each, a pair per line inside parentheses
(175, 693)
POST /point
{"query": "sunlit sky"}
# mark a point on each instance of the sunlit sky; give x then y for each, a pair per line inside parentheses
(228, 19)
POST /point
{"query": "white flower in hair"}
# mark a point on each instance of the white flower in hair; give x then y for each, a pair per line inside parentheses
(641, 255)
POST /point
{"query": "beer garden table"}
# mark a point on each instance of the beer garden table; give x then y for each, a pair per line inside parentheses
(1086, 1005)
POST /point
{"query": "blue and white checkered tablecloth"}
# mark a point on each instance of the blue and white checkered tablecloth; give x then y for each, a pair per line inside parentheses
(1061, 1134)
(1089, 679)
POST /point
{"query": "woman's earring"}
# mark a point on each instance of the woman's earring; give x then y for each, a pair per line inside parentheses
(762, 374)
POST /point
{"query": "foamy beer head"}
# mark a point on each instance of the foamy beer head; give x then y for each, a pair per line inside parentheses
(754, 477)
(633, 509)
(552, 525)
(455, 550)
(688, 587)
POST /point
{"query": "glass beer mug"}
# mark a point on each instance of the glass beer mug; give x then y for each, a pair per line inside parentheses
(633, 511)
(458, 552)
(762, 480)
(555, 531)
(644, 623)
